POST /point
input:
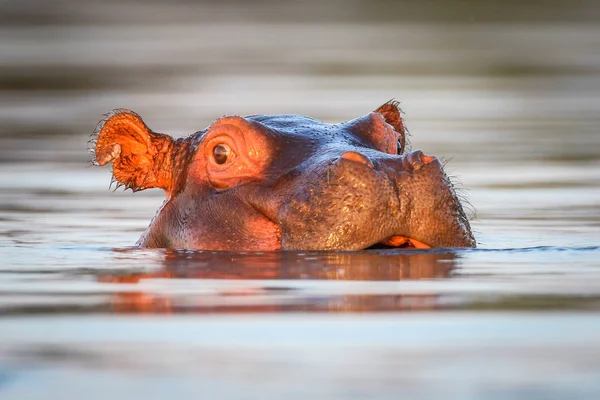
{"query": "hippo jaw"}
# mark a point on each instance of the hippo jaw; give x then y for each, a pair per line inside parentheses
(287, 182)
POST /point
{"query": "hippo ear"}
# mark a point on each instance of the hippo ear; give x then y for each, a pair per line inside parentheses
(141, 158)
(391, 112)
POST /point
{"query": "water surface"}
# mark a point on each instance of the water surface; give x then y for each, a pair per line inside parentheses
(83, 314)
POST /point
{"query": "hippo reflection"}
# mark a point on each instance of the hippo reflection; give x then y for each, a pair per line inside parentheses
(286, 182)
(200, 282)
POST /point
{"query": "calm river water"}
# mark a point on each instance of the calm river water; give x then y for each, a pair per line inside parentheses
(85, 315)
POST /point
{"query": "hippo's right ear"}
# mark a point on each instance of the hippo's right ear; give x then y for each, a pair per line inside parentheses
(141, 158)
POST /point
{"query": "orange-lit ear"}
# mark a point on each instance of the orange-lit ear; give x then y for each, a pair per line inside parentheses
(141, 158)
(391, 112)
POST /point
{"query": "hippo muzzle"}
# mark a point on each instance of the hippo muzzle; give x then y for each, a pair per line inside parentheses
(287, 182)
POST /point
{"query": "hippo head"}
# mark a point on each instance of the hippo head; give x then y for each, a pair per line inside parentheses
(286, 182)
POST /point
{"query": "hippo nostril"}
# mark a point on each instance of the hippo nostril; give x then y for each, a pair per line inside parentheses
(414, 160)
(426, 159)
(357, 157)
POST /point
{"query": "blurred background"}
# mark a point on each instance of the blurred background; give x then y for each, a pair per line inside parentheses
(507, 91)
(464, 70)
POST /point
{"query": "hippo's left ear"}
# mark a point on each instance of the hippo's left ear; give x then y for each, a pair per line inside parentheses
(141, 158)
(391, 112)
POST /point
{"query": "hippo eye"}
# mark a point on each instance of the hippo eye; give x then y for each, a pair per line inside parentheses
(221, 153)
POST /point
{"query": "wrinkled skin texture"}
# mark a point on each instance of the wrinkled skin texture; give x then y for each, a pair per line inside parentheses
(286, 182)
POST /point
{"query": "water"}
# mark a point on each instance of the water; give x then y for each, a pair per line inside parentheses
(83, 314)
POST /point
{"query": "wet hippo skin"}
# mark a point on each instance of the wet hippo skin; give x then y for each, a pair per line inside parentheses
(286, 182)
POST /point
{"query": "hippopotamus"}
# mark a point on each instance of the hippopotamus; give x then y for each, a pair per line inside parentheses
(286, 182)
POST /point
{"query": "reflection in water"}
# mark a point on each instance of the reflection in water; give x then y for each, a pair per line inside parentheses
(365, 265)
(200, 269)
